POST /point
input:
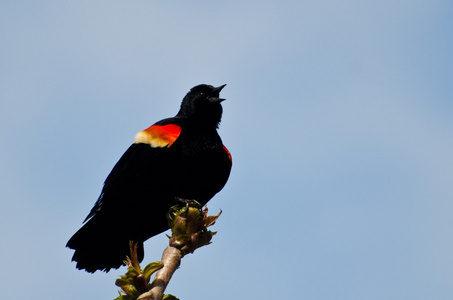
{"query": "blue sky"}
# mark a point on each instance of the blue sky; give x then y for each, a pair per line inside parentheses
(339, 120)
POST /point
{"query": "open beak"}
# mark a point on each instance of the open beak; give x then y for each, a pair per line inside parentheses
(216, 91)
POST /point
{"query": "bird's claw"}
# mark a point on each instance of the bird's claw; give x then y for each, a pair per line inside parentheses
(189, 202)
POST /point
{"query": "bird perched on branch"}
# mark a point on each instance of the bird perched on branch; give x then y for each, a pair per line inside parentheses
(178, 157)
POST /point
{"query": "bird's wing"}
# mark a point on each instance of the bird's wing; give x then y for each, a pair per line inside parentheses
(148, 144)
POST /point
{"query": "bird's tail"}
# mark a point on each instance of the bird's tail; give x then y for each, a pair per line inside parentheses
(99, 248)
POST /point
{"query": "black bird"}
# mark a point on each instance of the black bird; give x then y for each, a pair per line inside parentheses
(178, 157)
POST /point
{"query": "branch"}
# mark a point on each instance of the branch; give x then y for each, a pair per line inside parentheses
(171, 259)
(189, 232)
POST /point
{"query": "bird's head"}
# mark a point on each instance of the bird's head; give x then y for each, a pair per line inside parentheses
(202, 104)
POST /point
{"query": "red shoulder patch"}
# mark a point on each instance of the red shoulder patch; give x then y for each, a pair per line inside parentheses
(228, 152)
(158, 136)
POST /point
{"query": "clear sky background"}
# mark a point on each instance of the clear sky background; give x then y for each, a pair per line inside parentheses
(339, 117)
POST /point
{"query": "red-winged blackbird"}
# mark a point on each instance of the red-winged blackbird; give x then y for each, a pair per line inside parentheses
(179, 157)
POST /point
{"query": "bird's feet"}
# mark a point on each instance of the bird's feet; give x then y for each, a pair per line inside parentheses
(188, 202)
